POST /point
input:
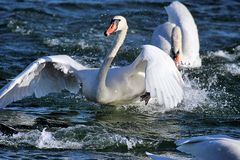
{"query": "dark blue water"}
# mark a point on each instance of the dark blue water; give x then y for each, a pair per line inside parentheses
(67, 126)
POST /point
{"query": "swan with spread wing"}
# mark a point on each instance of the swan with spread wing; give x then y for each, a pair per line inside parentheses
(179, 36)
(152, 74)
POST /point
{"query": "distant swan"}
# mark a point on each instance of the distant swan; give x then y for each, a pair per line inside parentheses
(211, 147)
(179, 36)
(152, 74)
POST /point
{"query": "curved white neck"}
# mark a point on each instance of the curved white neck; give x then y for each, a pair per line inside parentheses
(102, 75)
(177, 40)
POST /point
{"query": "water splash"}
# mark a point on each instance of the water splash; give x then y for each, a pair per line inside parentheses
(47, 140)
(96, 137)
(226, 55)
(194, 95)
(63, 41)
(77, 137)
(19, 27)
(199, 93)
(234, 69)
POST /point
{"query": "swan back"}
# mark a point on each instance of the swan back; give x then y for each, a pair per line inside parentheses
(179, 15)
(211, 147)
(161, 36)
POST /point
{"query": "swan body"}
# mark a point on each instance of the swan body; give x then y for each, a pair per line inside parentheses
(211, 147)
(179, 17)
(208, 148)
(162, 36)
(153, 71)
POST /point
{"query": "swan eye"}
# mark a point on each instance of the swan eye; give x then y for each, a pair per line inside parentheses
(115, 20)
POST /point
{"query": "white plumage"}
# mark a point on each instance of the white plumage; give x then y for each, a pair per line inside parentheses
(46, 75)
(163, 80)
(212, 147)
(153, 71)
(179, 16)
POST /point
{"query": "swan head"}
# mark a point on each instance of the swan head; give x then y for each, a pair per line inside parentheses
(118, 23)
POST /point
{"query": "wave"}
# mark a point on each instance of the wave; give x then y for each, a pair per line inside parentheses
(233, 55)
(48, 141)
(77, 137)
(225, 55)
(234, 69)
(63, 41)
(194, 96)
(19, 27)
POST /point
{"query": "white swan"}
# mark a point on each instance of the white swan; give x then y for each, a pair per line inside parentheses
(211, 147)
(152, 74)
(179, 36)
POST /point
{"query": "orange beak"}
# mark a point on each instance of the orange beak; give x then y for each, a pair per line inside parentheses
(111, 28)
(177, 58)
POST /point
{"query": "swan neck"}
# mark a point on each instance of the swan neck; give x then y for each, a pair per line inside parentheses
(102, 76)
(117, 43)
(176, 40)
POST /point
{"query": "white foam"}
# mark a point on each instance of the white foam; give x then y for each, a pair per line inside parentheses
(52, 42)
(63, 41)
(14, 25)
(237, 48)
(39, 139)
(103, 140)
(224, 54)
(130, 142)
(47, 140)
(83, 44)
(77, 137)
(194, 96)
(234, 69)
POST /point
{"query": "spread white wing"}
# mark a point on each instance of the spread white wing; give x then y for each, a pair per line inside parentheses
(46, 75)
(163, 80)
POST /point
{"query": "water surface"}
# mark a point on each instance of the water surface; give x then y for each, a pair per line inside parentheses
(67, 126)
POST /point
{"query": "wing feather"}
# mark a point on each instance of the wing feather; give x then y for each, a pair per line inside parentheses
(46, 75)
(163, 80)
